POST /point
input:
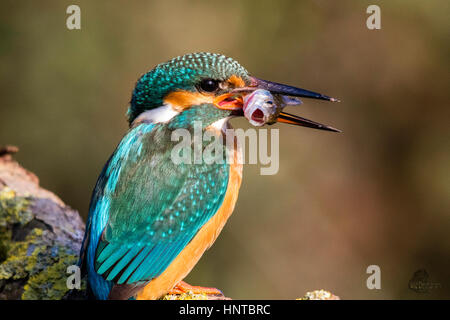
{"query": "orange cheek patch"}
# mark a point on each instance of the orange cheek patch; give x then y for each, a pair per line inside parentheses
(236, 81)
(181, 100)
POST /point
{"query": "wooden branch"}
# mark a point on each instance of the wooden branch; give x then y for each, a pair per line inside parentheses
(40, 237)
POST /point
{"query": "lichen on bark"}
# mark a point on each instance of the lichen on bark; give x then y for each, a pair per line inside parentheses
(33, 261)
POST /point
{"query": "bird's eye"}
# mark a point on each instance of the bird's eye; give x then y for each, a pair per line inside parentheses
(209, 85)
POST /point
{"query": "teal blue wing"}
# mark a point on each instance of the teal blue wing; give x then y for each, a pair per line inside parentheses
(152, 206)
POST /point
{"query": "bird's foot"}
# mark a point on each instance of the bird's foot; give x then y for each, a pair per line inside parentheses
(183, 287)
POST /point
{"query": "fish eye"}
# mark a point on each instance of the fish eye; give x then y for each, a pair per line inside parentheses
(209, 85)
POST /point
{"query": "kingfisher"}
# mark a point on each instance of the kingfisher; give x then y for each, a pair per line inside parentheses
(151, 218)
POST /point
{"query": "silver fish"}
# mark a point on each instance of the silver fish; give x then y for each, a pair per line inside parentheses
(261, 107)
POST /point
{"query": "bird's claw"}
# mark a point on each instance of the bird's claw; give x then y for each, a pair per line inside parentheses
(183, 287)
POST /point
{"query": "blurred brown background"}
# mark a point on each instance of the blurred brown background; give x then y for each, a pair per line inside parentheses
(376, 194)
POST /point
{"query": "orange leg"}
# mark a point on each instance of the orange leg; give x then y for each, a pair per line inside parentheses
(183, 287)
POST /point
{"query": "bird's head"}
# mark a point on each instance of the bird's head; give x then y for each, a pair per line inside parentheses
(215, 80)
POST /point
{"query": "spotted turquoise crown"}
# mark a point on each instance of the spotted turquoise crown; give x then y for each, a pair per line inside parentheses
(181, 73)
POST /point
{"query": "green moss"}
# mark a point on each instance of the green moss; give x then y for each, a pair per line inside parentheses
(39, 259)
(13, 210)
(50, 284)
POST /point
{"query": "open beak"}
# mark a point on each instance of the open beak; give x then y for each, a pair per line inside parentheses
(285, 92)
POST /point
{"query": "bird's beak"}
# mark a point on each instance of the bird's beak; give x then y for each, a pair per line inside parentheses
(234, 101)
(285, 90)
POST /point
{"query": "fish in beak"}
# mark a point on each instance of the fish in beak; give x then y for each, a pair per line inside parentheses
(263, 102)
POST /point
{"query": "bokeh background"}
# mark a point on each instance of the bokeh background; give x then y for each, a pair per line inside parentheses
(379, 193)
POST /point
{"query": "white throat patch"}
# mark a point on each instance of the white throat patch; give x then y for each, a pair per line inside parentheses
(157, 115)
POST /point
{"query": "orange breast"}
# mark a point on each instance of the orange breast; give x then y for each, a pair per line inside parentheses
(188, 258)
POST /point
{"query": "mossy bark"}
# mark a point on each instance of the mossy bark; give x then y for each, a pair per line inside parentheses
(39, 236)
